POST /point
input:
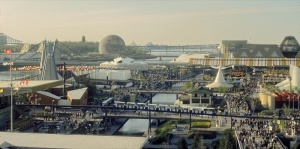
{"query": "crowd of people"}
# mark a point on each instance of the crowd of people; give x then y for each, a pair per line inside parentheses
(252, 132)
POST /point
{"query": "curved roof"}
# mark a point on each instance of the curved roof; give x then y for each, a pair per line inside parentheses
(219, 81)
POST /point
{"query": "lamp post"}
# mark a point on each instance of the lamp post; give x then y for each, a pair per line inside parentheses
(53, 109)
(11, 96)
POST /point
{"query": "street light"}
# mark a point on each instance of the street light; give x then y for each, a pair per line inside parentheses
(52, 109)
(9, 51)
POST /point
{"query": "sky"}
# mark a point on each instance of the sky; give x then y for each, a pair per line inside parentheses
(170, 22)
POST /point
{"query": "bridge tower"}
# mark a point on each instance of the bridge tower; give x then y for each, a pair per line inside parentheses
(48, 69)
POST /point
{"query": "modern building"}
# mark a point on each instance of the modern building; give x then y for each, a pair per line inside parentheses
(78, 96)
(231, 46)
(258, 55)
(195, 99)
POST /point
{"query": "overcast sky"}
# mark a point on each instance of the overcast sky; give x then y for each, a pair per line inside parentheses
(157, 21)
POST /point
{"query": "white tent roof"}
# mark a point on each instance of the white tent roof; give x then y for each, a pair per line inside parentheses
(219, 81)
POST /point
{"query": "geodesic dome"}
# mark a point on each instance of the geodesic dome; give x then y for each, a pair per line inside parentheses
(111, 44)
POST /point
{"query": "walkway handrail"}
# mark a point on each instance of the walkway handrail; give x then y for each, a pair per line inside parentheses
(238, 140)
(281, 142)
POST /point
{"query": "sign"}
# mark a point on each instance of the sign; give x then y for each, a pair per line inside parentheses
(1, 90)
(7, 51)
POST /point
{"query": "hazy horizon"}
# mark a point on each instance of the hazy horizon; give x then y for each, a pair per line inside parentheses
(169, 22)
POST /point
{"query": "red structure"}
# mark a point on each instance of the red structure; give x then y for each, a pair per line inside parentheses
(289, 99)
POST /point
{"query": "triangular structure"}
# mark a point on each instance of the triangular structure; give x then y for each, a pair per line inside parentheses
(258, 54)
(244, 54)
(219, 81)
(274, 54)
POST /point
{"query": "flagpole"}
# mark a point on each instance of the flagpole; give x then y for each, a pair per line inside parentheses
(11, 96)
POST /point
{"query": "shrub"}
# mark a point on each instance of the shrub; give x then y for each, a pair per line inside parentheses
(267, 112)
(203, 124)
(165, 128)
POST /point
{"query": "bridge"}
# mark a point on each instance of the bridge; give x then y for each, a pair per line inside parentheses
(164, 110)
(5, 39)
(135, 111)
(170, 48)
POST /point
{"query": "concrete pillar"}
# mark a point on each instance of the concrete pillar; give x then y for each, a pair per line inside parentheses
(106, 124)
(190, 119)
(149, 129)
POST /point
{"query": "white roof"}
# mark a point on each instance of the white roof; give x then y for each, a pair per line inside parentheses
(284, 85)
(185, 58)
(62, 86)
(48, 94)
(76, 94)
(42, 140)
(219, 81)
(123, 60)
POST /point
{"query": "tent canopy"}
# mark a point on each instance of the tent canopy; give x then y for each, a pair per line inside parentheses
(219, 81)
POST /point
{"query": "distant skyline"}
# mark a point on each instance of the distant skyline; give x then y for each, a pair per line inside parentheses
(158, 21)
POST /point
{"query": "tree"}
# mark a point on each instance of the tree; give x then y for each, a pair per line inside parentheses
(198, 142)
(222, 89)
(182, 144)
(286, 110)
(227, 141)
(189, 86)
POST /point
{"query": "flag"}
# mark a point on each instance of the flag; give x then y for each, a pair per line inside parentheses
(8, 51)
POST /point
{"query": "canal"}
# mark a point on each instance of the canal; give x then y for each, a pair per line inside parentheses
(137, 127)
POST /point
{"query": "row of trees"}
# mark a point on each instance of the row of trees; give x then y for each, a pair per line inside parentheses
(227, 141)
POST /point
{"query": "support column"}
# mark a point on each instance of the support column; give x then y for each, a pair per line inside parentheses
(150, 98)
(149, 130)
(190, 119)
(106, 124)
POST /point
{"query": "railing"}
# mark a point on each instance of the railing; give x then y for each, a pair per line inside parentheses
(238, 140)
